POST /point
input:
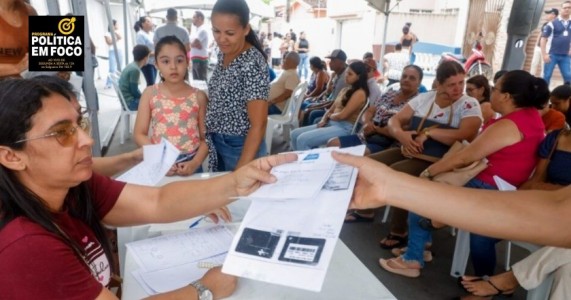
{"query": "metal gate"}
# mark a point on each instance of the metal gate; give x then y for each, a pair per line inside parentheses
(483, 22)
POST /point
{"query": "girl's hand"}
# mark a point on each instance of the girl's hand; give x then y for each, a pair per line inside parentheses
(322, 123)
(172, 171)
(185, 168)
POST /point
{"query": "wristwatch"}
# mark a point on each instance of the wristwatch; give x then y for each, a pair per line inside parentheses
(426, 174)
(203, 292)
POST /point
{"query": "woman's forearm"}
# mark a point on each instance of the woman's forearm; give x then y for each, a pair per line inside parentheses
(251, 145)
(524, 215)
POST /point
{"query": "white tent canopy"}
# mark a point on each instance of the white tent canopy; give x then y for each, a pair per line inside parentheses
(257, 7)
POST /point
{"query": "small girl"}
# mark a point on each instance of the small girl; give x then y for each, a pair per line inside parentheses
(173, 109)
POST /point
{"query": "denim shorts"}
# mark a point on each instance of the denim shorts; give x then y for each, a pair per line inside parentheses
(229, 149)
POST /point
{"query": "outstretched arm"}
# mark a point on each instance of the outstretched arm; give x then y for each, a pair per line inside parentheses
(534, 216)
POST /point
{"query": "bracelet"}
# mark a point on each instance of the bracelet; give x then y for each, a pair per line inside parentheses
(426, 174)
(426, 132)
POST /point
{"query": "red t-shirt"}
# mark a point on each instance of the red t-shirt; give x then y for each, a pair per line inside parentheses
(515, 163)
(36, 264)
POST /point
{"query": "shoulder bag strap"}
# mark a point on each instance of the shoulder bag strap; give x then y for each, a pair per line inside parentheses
(425, 117)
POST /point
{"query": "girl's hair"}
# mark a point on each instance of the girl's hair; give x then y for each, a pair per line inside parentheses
(20, 100)
(481, 81)
(139, 24)
(112, 27)
(169, 40)
(417, 69)
(317, 63)
(526, 89)
(448, 69)
(360, 69)
(240, 9)
(405, 29)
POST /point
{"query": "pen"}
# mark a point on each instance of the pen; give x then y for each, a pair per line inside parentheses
(195, 223)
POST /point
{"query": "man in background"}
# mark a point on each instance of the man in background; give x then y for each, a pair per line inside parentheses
(172, 28)
(282, 88)
(199, 47)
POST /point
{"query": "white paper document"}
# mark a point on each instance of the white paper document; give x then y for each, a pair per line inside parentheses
(301, 179)
(158, 159)
(172, 261)
(291, 242)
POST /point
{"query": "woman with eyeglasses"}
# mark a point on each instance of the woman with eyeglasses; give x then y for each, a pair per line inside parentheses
(478, 87)
(54, 208)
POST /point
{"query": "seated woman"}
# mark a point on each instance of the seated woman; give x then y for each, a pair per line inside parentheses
(551, 173)
(319, 78)
(374, 132)
(479, 87)
(51, 197)
(341, 116)
(446, 105)
(509, 143)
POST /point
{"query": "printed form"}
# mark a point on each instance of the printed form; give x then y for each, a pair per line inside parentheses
(158, 159)
(290, 240)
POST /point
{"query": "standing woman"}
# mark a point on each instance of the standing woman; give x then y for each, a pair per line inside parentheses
(302, 47)
(113, 64)
(14, 27)
(144, 28)
(238, 90)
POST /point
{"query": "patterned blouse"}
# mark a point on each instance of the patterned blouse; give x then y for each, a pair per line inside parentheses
(175, 119)
(231, 88)
(386, 108)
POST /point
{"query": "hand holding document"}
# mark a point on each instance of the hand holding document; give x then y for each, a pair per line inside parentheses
(158, 159)
(302, 179)
(291, 242)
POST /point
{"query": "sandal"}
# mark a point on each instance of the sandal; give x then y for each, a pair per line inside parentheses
(498, 291)
(427, 255)
(355, 217)
(400, 266)
(396, 241)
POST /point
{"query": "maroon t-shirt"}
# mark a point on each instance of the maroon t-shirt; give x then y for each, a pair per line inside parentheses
(36, 264)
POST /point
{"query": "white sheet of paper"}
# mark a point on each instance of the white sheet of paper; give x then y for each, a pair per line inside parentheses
(503, 185)
(302, 179)
(162, 281)
(291, 242)
(173, 250)
(158, 159)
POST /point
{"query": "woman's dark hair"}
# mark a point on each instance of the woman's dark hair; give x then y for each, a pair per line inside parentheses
(360, 69)
(20, 100)
(526, 89)
(240, 9)
(417, 69)
(139, 24)
(169, 40)
(317, 63)
(480, 81)
(448, 69)
(499, 74)
(405, 29)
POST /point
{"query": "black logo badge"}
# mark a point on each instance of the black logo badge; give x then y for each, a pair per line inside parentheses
(56, 43)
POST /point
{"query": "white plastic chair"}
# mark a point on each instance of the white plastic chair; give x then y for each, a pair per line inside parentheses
(462, 251)
(126, 113)
(289, 118)
(356, 126)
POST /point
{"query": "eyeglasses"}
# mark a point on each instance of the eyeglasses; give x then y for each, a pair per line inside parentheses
(65, 133)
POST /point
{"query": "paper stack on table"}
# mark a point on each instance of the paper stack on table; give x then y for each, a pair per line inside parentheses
(170, 262)
(290, 239)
